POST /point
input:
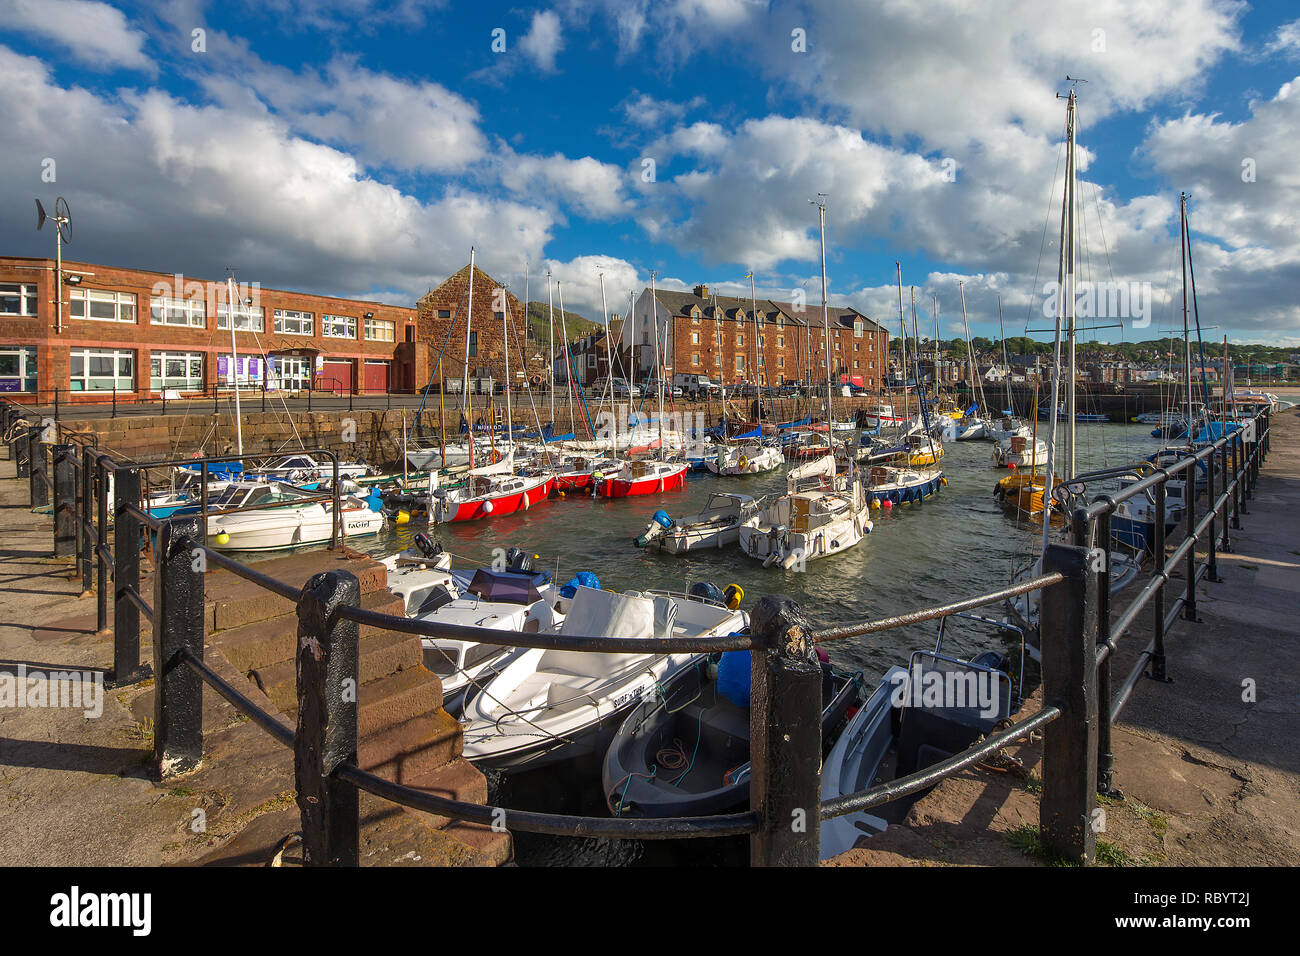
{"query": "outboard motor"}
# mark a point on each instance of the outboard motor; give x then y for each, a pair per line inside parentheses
(659, 523)
(707, 591)
(427, 547)
(517, 559)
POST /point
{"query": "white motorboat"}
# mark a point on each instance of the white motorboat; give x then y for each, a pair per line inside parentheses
(748, 459)
(301, 469)
(1020, 451)
(514, 598)
(813, 519)
(546, 706)
(287, 522)
(882, 416)
(717, 525)
(1007, 428)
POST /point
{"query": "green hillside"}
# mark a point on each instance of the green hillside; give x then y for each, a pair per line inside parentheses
(575, 324)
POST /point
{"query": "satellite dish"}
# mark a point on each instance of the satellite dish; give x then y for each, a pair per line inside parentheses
(63, 216)
(40, 216)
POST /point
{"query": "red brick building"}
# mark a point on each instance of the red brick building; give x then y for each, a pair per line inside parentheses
(441, 322)
(734, 340)
(139, 334)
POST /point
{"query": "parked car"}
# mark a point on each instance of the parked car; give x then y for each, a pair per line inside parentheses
(619, 387)
(696, 385)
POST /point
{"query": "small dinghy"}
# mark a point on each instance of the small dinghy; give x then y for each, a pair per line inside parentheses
(747, 459)
(516, 598)
(685, 751)
(548, 706)
(929, 711)
(716, 526)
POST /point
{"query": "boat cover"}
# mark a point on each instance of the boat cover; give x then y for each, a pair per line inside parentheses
(504, 587)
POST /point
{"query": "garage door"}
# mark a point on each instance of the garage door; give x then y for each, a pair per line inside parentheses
(377, 376)
(335, 376)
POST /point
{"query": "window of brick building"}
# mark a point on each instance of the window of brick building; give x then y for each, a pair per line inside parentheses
(101, 370)
(338, 326)
(17, 298)
(381, 330)
(293, 322)
(248, 318)
(164, 310)
(178, 370)
(18, 368)
(101, 306)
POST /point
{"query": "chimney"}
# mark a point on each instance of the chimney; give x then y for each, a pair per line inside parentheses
(702, 291)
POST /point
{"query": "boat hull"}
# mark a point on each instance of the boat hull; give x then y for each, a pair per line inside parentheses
(498, 505)
(631, 487)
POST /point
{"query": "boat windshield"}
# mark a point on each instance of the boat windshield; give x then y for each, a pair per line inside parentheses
(503, 587)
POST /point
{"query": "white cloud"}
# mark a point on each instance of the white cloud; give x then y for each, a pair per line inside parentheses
(160, 184)
(94, 33)
(543, 41)
(586, 184)
(1286, 41)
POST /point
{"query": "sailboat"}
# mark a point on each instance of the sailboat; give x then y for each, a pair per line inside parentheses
(496, 489)
(1046, 499)
(1008, 426)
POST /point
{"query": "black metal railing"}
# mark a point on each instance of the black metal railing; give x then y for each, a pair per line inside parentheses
(1076, 634)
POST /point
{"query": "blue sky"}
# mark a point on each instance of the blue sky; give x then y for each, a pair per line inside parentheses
(354, 148)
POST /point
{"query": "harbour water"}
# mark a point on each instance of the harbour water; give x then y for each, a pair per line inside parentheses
(956, 544)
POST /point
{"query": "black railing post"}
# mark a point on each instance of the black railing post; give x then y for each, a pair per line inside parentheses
(87, 519)
(65, 500)
(785, 737)
(101, 543)
(114, 415)
(309, 398)
(1068, 628)
(327, 719)
(39, 477)
(23, 453)
(56, 404)
(1225, 476)
(177, 627)
(1212, 536)
(1237, 495)
(1105, 753)
(126, 574)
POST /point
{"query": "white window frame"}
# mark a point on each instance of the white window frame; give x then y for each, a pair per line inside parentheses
(329, 324)
(27, 368)
(248, 318)
(192, 313)
(22, 293)
(122, 381)
(118, 300)
(191, 381)
(293, 321)
(374, 324)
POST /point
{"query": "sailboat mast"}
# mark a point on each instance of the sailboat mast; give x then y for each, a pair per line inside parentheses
(568, 356)
(550, 341)
(916, 362)
(1006, 363)
(506, 323)
(826, 322)
(609, 358)
(902, 328)
(1054, 415)
(234, 362)
(464, 399)
(659, 366)
(1072, 265)
(1187, 335)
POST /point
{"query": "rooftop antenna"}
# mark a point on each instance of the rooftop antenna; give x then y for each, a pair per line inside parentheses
(62, 219)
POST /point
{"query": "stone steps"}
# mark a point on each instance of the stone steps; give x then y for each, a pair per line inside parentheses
(403, 733)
